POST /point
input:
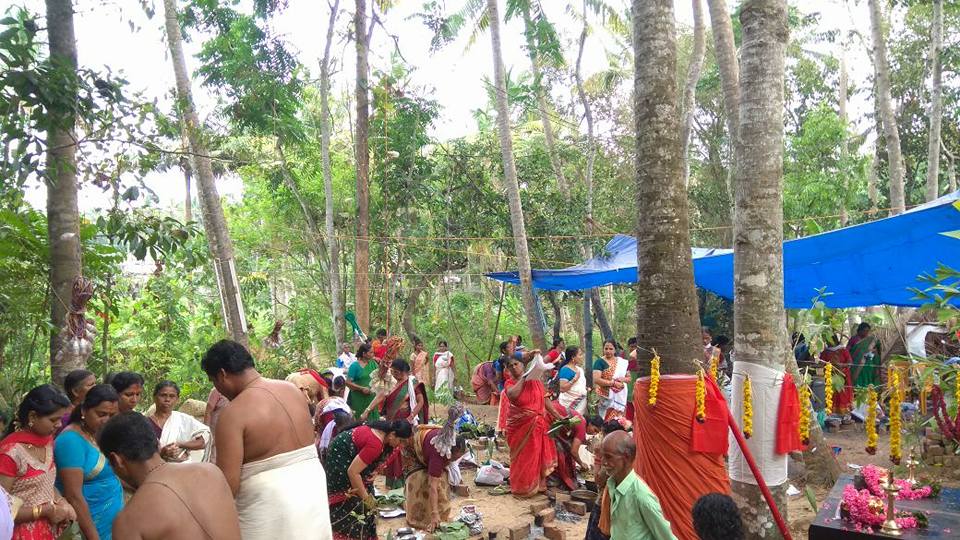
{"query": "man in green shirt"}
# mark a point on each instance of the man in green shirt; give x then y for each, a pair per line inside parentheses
(635, 512)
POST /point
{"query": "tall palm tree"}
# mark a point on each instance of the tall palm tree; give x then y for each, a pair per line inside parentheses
(759, 315)
(885, 104)
(936, 103)
(361, 259)
(336, 292)
(510, 181)
(63, 216)
(214, 222)
(667, 317)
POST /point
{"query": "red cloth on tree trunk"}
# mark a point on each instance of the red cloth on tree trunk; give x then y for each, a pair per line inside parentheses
(710, 436)
(788, 418)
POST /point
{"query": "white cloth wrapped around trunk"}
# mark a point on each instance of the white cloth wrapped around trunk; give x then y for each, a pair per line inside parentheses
(766, 384)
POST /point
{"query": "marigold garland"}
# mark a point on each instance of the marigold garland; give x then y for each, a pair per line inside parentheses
(701, 396)
(828, 387)
(871, 421)
(654, 379)
(747, 408)
(715, 364)
(804, 427)
(896, 451)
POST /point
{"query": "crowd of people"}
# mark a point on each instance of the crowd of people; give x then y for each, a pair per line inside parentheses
(84, 461)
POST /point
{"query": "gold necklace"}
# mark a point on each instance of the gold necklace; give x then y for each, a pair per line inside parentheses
(87, 434)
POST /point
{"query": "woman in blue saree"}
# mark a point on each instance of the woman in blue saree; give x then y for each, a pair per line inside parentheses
(84, 475)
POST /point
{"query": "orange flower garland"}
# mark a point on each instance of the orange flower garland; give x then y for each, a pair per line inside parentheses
(701, 396)
(804, 427)
(871, 421)
(896, 452)
(747, 408)
(654, 379)
(828, 387)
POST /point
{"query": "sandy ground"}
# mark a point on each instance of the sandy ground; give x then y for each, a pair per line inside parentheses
(502, 512)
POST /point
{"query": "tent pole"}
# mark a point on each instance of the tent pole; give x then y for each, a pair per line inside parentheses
(587, 339)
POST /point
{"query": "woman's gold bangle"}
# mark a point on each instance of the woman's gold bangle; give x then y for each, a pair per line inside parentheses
(36, 513)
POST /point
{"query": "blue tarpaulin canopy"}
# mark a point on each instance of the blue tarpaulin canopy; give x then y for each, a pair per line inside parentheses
(864, 265)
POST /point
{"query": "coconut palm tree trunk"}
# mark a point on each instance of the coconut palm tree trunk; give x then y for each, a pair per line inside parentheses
(936, 103)
(542, 106)
(333, 246)
(759, 315)
(214, 222)
(690, 89)
(361, 257)
(510, 180)
(667, 315)
(885, 102)
(725, 50)
(63, 216)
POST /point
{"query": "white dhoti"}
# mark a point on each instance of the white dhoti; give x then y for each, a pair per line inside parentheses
(284, 496)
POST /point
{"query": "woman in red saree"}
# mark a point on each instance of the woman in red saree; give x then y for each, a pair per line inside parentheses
(533, 455)
(839, 356)
(568, 442)
(407, 401)
(27, 469)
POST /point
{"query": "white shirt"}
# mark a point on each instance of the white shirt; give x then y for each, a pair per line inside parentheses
(345, 359)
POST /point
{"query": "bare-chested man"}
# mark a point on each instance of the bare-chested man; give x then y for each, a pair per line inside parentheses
(265, 448)
(173, 501)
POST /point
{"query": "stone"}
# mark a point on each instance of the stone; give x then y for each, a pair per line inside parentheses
(554, 533)
(832, 428)
(935, 451)
(562, 497)
(520, 532)
(547, 515)
(461, 490)
(576, 507)
(937, 460)
(536, 507)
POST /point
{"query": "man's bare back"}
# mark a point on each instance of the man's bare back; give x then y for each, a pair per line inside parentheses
(180, 501)
(267, 418)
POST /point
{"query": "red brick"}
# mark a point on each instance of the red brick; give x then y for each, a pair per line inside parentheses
(576, 507)
(548, 515)
(520, 532)
(461, 490)
(563, 496)
(536, 507)
(554, 533)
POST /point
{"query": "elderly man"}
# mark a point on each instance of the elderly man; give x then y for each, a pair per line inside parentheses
(635, 512)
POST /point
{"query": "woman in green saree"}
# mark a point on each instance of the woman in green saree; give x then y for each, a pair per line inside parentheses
(865, 351)
(358, 380)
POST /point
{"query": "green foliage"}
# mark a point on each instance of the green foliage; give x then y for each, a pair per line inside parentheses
(820, 178)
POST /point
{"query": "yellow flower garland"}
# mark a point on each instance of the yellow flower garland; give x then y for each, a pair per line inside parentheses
(715, 364)
(747, 408)
(804, 427)
(828, 387)
(701, 396)
(871, 421)
(654, 379)
(896, 451)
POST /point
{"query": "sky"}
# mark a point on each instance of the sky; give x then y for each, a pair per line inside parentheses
(118, 34)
